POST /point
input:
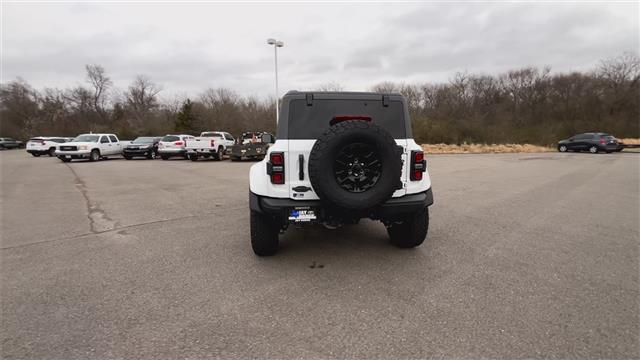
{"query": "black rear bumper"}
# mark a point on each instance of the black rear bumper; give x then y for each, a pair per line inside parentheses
(249, 150)
(394, 209)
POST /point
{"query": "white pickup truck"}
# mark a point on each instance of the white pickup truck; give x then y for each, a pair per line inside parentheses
(90, 146)
(212, 144)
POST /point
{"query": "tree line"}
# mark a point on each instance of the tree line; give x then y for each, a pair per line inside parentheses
(528, 105)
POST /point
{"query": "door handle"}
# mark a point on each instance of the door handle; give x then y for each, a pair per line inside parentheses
(301, 167)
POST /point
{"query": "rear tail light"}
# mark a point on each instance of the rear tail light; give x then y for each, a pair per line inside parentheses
(418, 165)
(277, 178)
(277, 159)
(603, 141)
(275, 167)
(178, 143)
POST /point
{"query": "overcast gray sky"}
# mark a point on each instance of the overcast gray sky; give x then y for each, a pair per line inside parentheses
(189, 47)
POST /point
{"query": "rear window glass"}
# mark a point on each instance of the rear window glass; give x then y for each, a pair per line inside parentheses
(170, 138)
(143, 140)
(309, 122)
(87, 138)
(215, 135)
(35, 139)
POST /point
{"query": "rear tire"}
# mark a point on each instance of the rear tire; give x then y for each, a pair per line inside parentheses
(52, 152)
(219, 154)
(412, 231)
(164, 157)
(562, 148)
(193, 157)
(593, 149)
(235, 158)
(126, 157)
(264, 234)
(95, 155)
(64, 159)
(151, 155)
(35, 154)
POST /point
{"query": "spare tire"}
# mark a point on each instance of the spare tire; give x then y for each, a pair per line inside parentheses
(355, 165)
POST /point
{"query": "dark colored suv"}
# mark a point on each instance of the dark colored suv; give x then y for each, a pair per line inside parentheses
(592, 142)
(143, 147)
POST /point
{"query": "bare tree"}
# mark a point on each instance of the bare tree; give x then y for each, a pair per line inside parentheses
(19, 105)
(620, 69)
(621, 74)
(97, 77)
(142, 96)
(384, 87)
(330, 86)
(524, 105)
(79, 99)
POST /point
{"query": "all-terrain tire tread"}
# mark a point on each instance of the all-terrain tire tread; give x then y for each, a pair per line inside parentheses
(264, 234)
(412, 232)
(320, 149)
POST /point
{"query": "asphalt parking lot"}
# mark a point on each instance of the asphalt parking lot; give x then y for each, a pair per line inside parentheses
(528, 256)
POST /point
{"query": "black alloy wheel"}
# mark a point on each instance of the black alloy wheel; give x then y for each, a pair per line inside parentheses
(357, 167)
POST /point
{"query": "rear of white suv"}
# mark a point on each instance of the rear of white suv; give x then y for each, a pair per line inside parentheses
(173, 146)
(341, 157)
(44, 145)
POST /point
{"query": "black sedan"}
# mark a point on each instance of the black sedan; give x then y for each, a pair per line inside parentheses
(142, 147)
(591, 142)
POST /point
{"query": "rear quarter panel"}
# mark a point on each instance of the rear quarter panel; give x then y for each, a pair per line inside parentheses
(259, 181)
(414, 187)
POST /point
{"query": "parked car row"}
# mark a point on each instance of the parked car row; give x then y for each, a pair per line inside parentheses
(210, 144)
(216, 144)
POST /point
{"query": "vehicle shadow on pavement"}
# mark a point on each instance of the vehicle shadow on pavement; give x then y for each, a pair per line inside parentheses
(365, 243)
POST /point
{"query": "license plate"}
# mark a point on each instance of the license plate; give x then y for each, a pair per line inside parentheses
(302, 215)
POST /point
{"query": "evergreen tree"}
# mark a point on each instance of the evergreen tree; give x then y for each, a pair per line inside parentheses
(185, 119)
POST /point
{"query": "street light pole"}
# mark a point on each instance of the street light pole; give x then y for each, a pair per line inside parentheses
(276, 44)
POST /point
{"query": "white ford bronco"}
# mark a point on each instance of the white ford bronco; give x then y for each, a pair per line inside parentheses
(340, 157)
